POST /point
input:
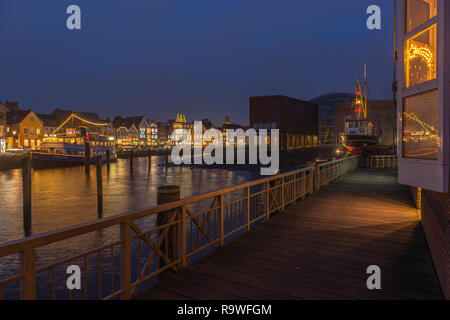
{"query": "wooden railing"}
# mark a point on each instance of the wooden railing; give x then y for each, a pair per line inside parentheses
(139, 252)
(387, 161)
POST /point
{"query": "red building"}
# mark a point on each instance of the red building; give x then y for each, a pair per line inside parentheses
(297, 120)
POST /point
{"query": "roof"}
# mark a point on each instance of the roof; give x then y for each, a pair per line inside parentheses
(12, 106)
(49, 120)
(14, 117)
(127, 122)
(62, 115)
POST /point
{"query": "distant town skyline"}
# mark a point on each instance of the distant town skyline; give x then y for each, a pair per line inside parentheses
(201, 58)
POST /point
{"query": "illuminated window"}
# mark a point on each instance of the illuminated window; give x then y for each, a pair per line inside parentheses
(420, 57)
(421, 136)
(25, 142)
(418, 12)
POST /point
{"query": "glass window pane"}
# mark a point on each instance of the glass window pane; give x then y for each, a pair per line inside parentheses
(421, 137)
(420, 57)
(418, 12)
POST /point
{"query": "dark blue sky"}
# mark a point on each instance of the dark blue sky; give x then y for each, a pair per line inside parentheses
(200, 57)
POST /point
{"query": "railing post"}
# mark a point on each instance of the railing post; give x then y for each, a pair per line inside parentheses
(283, 196)
(222, 221)
(26, 194)
(28, 269)
(268, 200)
(294, 188)
(125, 260)
(182, 238)
(248, 208)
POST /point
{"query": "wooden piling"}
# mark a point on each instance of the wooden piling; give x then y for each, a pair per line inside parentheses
(99, 188)
(108, 159)
(131, 159)
(26, 194)
(167, 160)
(87, 151)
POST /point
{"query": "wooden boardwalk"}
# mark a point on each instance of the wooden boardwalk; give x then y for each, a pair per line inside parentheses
(320, 248)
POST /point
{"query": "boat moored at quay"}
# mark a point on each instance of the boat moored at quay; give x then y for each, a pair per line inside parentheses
(75, 140)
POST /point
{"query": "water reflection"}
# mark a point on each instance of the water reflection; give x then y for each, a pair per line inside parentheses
(66, 196)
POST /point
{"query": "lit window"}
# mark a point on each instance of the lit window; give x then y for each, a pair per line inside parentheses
(421, 136)
(420, 57)
(418, 12)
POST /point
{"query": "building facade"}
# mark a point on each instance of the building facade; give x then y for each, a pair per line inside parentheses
(297, 120)
(23, 130)
(50, 123)
(326, 114)
(423, 106)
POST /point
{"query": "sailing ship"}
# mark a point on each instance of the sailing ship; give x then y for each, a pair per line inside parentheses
(360, 132)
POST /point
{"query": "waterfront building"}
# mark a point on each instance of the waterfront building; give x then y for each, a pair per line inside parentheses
(326, 115)
(178, 126)
(141, 124)
(297, 120)
(3, 111)
(24, 129)
(127, 134)
(69, 120)
(164, 131)
(12, 105)
(423, 106)
(50, 123)
(152, 134)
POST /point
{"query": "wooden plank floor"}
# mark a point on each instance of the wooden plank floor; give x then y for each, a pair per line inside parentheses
(320, 248)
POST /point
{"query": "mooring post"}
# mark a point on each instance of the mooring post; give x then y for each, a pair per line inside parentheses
(149, 159)
(167, 160)
(87, 151)
(26, 193)
(108, 159)
(131, 159)
(99, 188)
(168, 193)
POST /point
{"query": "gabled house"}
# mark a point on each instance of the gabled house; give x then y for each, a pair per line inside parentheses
(24, 129)
(141, 124)
(50, 123)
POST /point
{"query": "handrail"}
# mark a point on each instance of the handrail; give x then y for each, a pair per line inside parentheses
(175, 242)
(383, 161)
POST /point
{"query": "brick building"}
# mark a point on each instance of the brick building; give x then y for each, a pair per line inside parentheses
(297, 120)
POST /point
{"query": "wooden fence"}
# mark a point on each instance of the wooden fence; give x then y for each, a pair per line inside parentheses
(152, 250)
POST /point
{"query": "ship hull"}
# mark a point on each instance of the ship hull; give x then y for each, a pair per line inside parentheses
(355, 143)
(43, 160)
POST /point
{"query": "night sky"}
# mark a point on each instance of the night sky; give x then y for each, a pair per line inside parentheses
(200, 57)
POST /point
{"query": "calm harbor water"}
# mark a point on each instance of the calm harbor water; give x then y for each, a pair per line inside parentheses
(66, 196)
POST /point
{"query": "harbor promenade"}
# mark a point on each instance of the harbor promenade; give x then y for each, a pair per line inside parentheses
(310, 233)
(320, 248)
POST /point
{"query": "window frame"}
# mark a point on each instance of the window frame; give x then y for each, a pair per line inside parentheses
(429, 174)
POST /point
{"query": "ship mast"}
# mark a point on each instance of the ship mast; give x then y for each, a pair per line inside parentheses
(365, 93)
